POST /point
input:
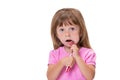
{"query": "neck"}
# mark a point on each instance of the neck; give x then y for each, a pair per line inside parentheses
(67, 49)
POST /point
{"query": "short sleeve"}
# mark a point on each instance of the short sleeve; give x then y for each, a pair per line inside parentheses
(51, 59)
(90, 57)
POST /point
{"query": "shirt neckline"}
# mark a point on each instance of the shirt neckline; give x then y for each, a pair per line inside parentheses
(69, 53)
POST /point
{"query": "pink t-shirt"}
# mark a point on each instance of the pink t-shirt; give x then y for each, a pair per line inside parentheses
(88, 55)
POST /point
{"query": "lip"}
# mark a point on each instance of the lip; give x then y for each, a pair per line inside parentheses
(69, 41)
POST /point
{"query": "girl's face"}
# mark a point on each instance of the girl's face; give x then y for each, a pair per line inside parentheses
(68, 34)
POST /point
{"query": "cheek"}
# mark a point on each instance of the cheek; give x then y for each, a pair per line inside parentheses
(60, 37)
(76, 37)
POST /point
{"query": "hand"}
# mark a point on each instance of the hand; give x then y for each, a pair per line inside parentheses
(75, 50)
(68, 61)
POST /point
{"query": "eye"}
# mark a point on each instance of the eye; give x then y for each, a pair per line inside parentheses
(61, 30)
(72, 28)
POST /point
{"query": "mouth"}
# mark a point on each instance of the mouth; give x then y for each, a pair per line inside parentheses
(70, 42)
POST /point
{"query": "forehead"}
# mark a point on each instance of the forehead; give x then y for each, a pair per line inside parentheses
(67, 26)
(67, 22)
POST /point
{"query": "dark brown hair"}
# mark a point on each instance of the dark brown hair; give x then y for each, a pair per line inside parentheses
(69, 16)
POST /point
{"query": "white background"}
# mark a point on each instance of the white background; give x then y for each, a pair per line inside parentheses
(25, 39)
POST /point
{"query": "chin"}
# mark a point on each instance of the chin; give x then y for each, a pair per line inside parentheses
(67, 46)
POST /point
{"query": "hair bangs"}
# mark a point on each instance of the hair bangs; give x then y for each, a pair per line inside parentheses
(68, 19)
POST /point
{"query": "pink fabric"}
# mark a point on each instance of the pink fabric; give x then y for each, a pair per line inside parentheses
(88, 55)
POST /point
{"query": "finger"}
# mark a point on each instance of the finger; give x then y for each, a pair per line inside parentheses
(68, 68)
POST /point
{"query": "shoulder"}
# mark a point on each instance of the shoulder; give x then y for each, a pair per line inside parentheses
(56, 54)
(56, 51)
(84, 49)
(88, 55)
(85, 52)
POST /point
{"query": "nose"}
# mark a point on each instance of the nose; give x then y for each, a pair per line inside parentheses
(67, 34)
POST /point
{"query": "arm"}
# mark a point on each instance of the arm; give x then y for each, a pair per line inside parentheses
(55, 69)
(87, 70)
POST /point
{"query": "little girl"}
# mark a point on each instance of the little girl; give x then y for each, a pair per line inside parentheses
(72, 57)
